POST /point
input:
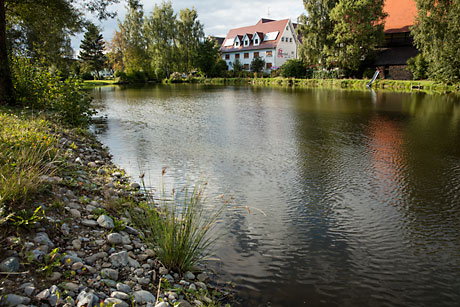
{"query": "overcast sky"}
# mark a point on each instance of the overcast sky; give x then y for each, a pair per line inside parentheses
(217, 16)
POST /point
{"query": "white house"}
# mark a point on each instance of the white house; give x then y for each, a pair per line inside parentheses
(275, 41)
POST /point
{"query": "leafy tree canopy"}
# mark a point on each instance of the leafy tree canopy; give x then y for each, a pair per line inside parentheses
(436, 33)
(92, 47)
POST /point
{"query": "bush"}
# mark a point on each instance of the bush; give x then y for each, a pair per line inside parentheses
(293, 69)
(37, 87)
(326, 74)
(179, 227)
(275, 73)
(418, 66)
(87, 76)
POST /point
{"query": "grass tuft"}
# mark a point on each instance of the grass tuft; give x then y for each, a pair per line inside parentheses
(179, 226)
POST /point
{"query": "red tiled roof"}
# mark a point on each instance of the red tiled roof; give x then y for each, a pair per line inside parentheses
(401, 15)
(265, 26)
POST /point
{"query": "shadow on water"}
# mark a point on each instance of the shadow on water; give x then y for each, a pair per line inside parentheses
(353, 197)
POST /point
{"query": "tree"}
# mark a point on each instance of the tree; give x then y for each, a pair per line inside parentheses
(418, 66)
(161, 34)
(92, 47)
(207, 56)
(189, 34)
(257, 64)
(358, 30)
(68, 17)
(315, 29)
(130, 42)
(436, 32)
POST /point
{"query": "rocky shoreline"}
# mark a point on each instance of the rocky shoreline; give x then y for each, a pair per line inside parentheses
(80, 247)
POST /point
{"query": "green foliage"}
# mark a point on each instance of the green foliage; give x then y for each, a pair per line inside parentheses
(257, 64)
(418, 66)
(436, 32)
(51, 261)
(315, 29)
(237, 67)
(161, 33)
(37, 87)
(293, 69)
(326, 74)
(189, 34)
(26, 217)
(220, 69)
(179, 227)
(207, 57)
(128, 48)
(358, 29)
(91, 53)
(27, 152)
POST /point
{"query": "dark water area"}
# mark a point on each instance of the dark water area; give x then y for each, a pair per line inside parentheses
(353, 198)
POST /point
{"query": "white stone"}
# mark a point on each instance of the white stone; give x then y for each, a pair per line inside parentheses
(144, 297)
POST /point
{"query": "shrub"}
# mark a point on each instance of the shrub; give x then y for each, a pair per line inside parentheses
(87, 76)
(37, 87)
(219, 69)
(326, 74)
(293, 69)
(418, 66)
(275, 73)
(179, 227)
(368, 73)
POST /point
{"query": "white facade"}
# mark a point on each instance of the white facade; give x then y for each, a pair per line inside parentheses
(275, 47)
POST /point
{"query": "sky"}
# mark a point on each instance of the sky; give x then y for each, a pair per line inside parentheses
(218, 17)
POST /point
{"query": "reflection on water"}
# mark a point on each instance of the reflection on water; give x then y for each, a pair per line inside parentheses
(353, 197)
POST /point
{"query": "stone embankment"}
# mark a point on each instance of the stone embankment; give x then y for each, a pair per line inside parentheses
(81, 251)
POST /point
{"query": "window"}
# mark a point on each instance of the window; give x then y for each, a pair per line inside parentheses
(290, 40)
(268, 53)
(246, 55)
(256, 54)
(237, 56)
(237, 44)
(282, 39)
(227, 56)
(246, 43)
(256, 41)
(246, 66)
(287, 28)
(269, 65)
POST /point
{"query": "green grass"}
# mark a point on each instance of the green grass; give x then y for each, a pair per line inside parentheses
(27, 152)
(89, 83)
(179, 226)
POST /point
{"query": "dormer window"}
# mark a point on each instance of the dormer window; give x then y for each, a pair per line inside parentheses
(246, 42)
(237, 44)
(256, 41)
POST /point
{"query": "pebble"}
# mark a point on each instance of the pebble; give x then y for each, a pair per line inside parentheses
(87, 299)
(124, 288)
(55, 276)
(14, 300)
(9, 265)
(120, 295)
(43, 295)
(105, 222)
(162, 304)
(115, 238)
(42, 238)
(143, 297)
(71, 286)
(110, 273)
(203, 277)
(89, 223)
(102, 171)
(135, 186)
(75, 213)
(115, 302)
(119, 259)
(117, 174)
(182, 303)
(189, 275)
(76, 244)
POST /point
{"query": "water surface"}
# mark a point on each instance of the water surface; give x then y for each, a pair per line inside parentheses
(353, 197)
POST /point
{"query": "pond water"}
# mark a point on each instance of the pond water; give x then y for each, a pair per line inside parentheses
(353, 197)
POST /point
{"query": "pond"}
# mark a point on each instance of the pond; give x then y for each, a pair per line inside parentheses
(341, 198)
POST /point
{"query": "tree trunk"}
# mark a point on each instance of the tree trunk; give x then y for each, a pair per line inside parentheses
(6, 85)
